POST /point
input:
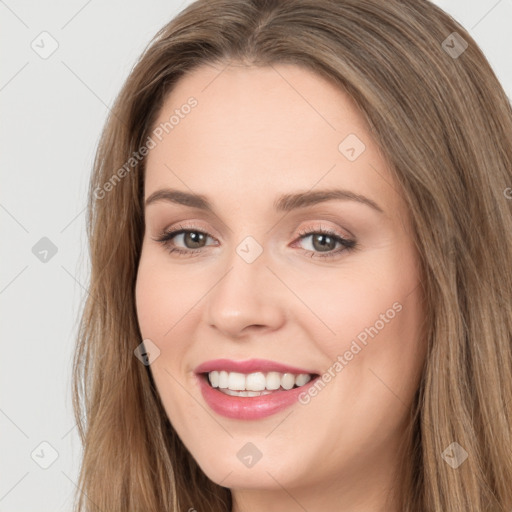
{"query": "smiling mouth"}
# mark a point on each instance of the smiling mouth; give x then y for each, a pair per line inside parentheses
(256, 383)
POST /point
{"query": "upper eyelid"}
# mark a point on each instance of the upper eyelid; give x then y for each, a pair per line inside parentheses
(309, 226)
(180, 229)
(306, 229)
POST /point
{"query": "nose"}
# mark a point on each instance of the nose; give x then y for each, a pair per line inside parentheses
(247, 298)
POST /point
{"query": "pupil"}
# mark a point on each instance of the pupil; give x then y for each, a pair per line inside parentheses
(194, 237)
(323, 241)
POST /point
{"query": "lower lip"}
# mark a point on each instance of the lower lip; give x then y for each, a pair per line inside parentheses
(249, 408)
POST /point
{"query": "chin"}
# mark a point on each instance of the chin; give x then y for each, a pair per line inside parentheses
(264, 475)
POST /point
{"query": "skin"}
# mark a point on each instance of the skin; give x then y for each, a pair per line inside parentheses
(257, 133)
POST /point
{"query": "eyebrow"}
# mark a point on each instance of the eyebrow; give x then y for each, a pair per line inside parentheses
(284, 203)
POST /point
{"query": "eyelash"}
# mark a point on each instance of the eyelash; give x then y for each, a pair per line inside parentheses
(347, 244)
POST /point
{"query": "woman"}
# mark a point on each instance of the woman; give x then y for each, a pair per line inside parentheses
(301, 290)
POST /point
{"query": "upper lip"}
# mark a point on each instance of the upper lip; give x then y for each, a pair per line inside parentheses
(249, 366)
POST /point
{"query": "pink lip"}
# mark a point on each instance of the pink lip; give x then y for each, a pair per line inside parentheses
(249, 366)
(249, 408)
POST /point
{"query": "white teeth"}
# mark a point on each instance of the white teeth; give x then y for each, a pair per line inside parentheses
(273, 380)
(214, 379)
(236, 381)
(302, 379)
(245, 393)
(288, 380)
(256, 383)
(223, 379)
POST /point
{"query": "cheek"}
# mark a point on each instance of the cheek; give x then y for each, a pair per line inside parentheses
(164, 310)
(374, 316)
(375, 356)
(163, 296)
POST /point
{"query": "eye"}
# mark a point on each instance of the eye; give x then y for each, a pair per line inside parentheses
(193, 240)
(323, 242)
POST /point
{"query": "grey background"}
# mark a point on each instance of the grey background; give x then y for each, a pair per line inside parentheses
(53, 110)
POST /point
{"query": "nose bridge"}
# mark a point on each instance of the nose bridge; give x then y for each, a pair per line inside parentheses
(247, 294)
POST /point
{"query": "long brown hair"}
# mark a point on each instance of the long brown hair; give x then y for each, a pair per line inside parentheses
(444, 124)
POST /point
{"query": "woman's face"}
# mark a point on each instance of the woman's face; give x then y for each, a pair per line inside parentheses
(269, 150)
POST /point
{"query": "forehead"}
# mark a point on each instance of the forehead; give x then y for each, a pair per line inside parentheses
(263, 131)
